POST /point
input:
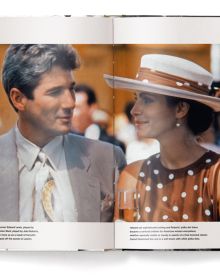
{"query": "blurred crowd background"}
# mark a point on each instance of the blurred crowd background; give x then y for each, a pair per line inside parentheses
(103, 113)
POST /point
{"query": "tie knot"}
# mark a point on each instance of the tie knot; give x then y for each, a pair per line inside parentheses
(42, 157)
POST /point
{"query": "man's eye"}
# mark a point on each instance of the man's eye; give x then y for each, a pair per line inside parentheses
(55, 92)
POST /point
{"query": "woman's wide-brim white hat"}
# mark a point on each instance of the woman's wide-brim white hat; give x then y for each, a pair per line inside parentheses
(186, 78)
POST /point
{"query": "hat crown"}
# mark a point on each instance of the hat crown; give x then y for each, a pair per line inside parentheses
(178, 67)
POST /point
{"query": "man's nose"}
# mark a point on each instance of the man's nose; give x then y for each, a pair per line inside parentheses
(68, 101)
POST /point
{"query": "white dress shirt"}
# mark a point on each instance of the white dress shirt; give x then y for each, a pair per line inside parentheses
(64, 202)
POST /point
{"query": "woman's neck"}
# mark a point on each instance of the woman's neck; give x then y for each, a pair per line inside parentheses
(180, 150)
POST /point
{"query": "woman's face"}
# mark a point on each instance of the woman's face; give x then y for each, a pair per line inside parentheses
(153, 117)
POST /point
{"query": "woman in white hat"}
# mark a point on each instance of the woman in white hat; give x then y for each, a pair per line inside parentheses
(173, 105)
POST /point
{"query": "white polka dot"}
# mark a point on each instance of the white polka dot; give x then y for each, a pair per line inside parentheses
(137, 75)
(175, 208)
(200, 84)
(190, 172)
(158, 155)
(165, 217)
(137, 195)
(200, 199)
(141, 174)
(145, 81)
(160, 186)
(208, 160)
(138, 216)
(148, 162)
(171, 176)
(148, 188)
(147, 209)
(156, 171)
(185, 217)
(164, 198)
(212, 201)
(195, 188)
(207, 212)
(183, 194)
(205, 180)
(179, 84)
(216, 88)
(187, 84)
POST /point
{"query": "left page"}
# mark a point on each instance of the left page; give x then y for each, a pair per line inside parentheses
(56, 176)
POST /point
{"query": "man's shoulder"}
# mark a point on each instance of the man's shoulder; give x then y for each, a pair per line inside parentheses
(88, 143)
(95, 149)
(7, 150)
(7, 138)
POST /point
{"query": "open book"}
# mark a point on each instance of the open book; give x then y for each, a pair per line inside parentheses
(64, 183)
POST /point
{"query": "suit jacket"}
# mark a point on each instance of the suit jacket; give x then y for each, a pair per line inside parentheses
(93, 167)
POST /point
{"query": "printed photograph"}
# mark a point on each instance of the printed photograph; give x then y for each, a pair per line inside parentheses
(167, 114)
(59, 159)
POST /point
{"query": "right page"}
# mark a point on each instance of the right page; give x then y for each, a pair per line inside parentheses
(166, 100)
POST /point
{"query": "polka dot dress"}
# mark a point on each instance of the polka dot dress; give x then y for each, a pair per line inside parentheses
(181, 195)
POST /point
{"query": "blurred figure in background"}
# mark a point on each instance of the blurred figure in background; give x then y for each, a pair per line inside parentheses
(85, 105)
(124, 126)
(210, 139)
(88, 120)
(99, 129)
(141, 148)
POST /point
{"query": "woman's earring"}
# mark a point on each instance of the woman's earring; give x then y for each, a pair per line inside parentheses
(178, 124)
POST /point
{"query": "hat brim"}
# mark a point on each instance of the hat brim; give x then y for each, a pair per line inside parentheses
(135, 85)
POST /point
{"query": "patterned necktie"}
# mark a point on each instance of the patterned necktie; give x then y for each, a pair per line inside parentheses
(44, 186)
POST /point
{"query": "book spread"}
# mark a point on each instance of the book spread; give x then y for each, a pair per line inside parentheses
(109, 133)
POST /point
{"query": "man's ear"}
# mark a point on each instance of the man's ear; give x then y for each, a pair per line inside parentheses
(182, 109)
(18, 99)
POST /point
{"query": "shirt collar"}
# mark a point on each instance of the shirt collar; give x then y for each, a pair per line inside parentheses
(28, 151)
(53, 150)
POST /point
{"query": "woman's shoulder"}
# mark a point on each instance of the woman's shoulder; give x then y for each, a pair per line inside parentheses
(212, 158)
(135, 167)
(129, 176)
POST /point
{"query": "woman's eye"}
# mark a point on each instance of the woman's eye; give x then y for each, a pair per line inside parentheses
(146, 100)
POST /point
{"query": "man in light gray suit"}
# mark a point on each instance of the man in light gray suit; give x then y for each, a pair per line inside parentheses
(47, 174)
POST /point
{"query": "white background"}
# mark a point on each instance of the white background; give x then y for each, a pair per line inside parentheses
(109, 265)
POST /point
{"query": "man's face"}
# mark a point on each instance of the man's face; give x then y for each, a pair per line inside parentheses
(50, 112)
(82, 117)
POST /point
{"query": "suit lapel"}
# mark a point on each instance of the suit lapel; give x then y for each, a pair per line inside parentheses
(9, 185)
(86, 188)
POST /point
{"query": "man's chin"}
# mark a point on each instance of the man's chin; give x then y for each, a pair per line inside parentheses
(63, 130)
